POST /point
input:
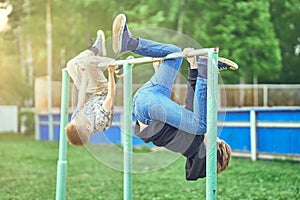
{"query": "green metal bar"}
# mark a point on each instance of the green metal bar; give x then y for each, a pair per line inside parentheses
(127, 131)
(211, 140)
(62, 156)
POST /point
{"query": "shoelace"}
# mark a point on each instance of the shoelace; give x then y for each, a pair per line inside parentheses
(91, 43)
(127, 30)
(222, 66)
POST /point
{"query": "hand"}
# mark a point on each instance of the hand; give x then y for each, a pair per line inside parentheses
(156, 64)
(192, 59)
(111, 69)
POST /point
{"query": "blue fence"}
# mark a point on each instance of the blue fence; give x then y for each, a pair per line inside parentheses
(271, 131)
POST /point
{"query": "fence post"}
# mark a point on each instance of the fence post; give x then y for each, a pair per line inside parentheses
(253, 135)
(265, 95)
(36, 126)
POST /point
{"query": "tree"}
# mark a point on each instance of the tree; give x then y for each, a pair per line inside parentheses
(244, 33)
(14, 89)
(242, 29)
(285, 16)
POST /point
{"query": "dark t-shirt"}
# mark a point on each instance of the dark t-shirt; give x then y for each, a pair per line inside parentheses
(189, 145)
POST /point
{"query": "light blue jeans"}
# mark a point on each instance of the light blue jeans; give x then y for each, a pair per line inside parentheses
(152, 101)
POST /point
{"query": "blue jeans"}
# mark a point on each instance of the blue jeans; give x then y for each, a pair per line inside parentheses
(152, 101)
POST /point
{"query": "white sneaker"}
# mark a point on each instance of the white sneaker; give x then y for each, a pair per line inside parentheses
(99, 44)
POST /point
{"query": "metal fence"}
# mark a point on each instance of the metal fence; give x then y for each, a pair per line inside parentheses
(243, 95)
(261, 95)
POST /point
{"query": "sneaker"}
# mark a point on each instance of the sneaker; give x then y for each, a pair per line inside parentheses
(223, 63)
(121, 34)
(99, 44)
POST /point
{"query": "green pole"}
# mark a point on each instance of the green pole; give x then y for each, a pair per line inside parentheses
(211, 140)
(62, 156)
(127, 131)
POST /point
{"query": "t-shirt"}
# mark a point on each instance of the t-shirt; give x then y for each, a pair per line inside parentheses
(189, 145)
(98, 116)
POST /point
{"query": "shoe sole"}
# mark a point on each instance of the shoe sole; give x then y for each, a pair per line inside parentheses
(232, 65)
(100, 32)
(118, 27)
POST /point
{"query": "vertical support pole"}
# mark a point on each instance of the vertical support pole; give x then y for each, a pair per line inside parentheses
(211, 140)
(36, 127)
(62, 156)
(265, 96)
(127, 131)
(253, 135)
(122, 127)
(49, 69)
(255, 91)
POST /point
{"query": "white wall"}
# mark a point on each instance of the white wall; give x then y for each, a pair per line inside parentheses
(8, 118)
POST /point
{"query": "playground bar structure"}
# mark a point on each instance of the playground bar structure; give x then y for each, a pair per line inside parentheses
(127, 132)
(62, 156)
(211, 149)
(212, 115)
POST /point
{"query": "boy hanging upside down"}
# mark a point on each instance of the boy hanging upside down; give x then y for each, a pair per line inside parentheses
(162, 121)
(94, 94)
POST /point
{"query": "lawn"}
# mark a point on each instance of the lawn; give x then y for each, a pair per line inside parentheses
(28, 171)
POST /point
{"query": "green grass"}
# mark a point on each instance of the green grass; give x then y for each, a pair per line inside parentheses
(28, 171)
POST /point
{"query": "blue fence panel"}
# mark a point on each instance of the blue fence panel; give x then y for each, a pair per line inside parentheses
(269, 140)
(56, 132)
(233, 116)
(110, 136)
(278, 140)
(278, 115)
(237, 137)
(44, 132)
(43, 118)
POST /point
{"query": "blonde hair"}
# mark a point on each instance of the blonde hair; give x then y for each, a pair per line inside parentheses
(223, 155)
(76, 138)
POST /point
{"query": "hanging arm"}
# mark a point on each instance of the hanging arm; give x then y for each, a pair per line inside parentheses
(107, 104)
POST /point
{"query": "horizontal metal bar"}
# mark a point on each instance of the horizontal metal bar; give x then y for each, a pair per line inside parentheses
(234, 124)
(151, 59)
(47, 123)
(258, 109)
(294, 157)
(261, 124)
(268, 156)
(260, 86)
(278, 124)
(224, 124)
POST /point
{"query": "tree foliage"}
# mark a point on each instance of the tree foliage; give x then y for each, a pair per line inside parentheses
(285, 16)
(260, 35)
(244, 33)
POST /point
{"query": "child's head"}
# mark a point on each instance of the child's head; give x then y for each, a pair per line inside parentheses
(223, 155)
(79, 130)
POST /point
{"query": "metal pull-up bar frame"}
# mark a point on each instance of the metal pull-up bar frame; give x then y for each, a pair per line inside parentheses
(211, 141)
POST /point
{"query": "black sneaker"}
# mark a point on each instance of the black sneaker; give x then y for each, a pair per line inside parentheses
(223, 63)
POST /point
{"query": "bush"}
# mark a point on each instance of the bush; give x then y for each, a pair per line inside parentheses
(26, 120)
